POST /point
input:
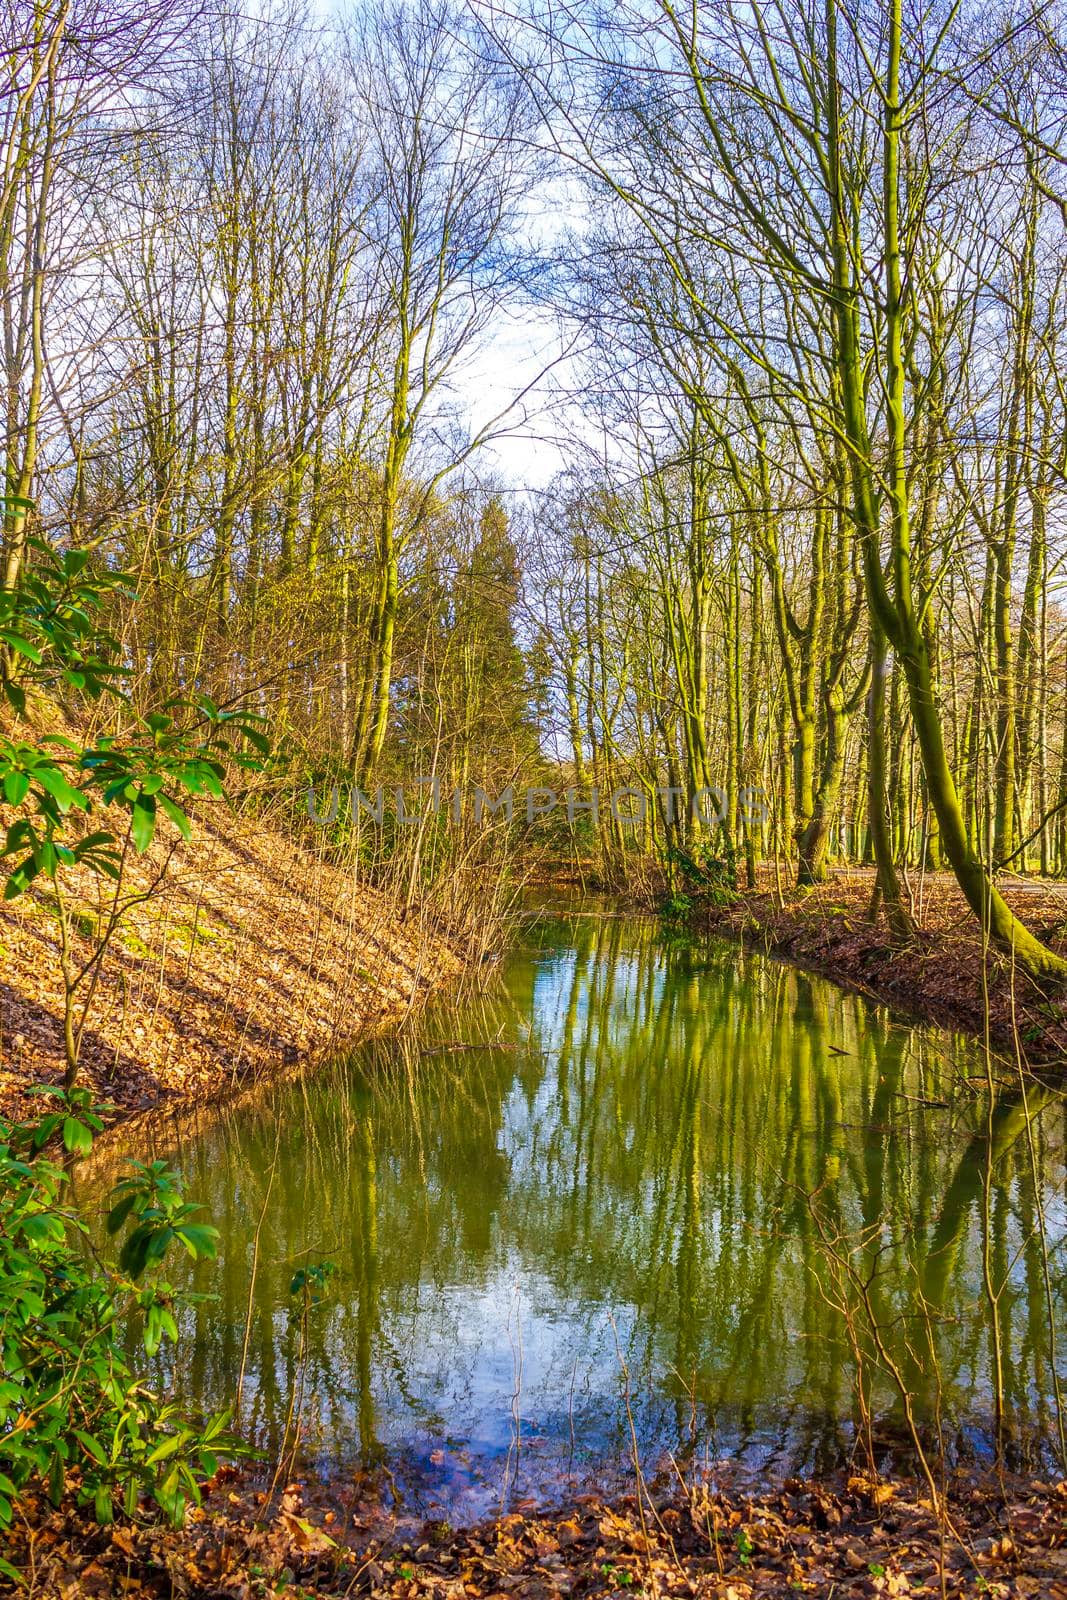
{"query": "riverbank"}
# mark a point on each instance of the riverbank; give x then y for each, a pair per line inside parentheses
(947, 974)
(425, 1193)
(724, 1538)
(250, 955)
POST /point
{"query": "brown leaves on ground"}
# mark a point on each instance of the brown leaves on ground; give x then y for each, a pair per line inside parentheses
(251, 953)
(1008, 1540)
(947, 973)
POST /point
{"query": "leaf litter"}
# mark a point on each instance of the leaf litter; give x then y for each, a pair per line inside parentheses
(724, 1537)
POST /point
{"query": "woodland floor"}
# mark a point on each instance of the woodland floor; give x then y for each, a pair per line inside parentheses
(947, 974)
(723, 1538)
(251, 956)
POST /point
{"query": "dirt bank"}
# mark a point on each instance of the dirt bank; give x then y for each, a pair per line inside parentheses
(849, 1536)
(947, 974)
(250, 954)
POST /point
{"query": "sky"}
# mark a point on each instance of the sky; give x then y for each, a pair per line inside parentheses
(529, 451)
(530, 350)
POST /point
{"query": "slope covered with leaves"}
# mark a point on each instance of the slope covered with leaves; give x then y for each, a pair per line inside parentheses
(245, 952)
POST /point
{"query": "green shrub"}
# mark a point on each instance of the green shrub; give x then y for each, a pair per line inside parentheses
(74, 1416)
(676, 907)
(53, 642)
(700, 876)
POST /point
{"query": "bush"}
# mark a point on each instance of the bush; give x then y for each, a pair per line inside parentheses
(706, 876)
(74, 1416)
(53, 642)
(676, 907)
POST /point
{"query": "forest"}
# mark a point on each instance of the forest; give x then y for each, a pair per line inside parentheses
(653, 415)
(807, 415)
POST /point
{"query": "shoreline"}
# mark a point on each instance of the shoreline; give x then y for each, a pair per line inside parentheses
(946, 977)
(257, 959)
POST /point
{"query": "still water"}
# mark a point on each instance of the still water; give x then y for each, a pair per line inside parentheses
(621, 1197)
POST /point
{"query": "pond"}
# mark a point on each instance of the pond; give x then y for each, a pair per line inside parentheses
(680, 1200)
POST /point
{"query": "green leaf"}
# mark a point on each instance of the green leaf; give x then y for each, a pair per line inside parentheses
(176, 815)
(62, 792)
(76, 1136)
(16, 787)
(23, 646)
(133, 1257)
(143, 822)
(43, 1227)
(92, 1446)
(20, 835)
(46, 857)
(199, 776)
(199, 1239)
(258, 740)
(92, 842)
(20, 879)
(119, 1212)
(162, 1451)
(152, 1330)
(158, 1244)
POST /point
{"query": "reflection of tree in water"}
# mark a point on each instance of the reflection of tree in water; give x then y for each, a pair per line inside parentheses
(642, 1143)
(366, 1176)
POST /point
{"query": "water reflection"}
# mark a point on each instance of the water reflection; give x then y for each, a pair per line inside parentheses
(593, 1187)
